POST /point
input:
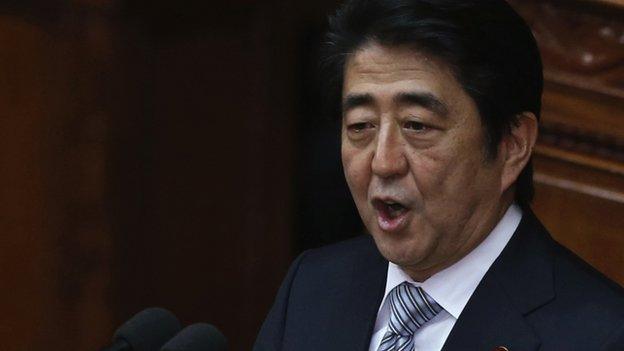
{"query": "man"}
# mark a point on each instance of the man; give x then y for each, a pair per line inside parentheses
(440, 103)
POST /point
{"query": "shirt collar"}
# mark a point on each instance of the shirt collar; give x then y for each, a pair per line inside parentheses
(453, 286)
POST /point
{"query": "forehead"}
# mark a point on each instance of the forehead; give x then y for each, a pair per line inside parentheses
(386, 69)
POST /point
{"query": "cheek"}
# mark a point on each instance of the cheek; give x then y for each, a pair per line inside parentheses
(429, 170)
(443, 173)
(356, 164)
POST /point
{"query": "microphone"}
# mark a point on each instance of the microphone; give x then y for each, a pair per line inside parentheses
(197, 337)
(145, 331)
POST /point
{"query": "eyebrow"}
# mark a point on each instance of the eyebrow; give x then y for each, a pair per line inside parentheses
(352, 101)
(425, 100)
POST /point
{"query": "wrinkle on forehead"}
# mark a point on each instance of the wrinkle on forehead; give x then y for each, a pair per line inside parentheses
(373, 59)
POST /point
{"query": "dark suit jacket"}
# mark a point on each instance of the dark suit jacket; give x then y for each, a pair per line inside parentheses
(536, 296)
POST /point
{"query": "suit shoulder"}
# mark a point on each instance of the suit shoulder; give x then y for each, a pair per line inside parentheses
(574, 268)
(339, 261)
(577, 280)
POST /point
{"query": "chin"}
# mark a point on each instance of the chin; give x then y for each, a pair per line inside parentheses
(398, 250)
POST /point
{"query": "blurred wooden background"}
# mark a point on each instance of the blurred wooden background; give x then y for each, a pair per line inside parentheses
(169, 153)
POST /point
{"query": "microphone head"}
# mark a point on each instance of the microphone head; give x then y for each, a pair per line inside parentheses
(197, 337)
(149, 329)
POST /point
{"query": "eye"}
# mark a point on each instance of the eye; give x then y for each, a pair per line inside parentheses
(415, 126)
(359, 127)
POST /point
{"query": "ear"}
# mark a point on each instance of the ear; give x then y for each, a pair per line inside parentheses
(517, 147)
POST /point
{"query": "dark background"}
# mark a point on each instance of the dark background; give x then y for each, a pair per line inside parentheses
(167, 153)
(175, 154)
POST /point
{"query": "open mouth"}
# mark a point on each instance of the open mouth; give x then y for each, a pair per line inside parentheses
(389, 209)
(391, 214)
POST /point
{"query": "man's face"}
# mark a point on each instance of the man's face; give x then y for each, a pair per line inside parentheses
(413, 150)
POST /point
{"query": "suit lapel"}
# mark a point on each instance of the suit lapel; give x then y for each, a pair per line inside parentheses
(356, 309)
(490, 320)
(519, 281)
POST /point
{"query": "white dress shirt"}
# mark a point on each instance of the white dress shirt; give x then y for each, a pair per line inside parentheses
(451, 287)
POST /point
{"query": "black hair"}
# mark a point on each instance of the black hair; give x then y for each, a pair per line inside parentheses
(488, 46)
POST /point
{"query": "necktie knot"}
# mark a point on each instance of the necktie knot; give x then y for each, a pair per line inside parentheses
(410, 308)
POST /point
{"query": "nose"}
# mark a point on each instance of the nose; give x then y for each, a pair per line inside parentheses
(389, 159)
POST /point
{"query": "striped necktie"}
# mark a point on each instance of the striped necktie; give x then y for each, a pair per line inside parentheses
(410, 308)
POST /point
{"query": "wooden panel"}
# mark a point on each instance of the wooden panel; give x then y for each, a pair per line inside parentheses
(56, 250)
(619, 3)
(579, 158)
(588, 224)
(583, 206)
(27, 266)
(581, 43)
(202, 194)
(57, 71)
(147, 161)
